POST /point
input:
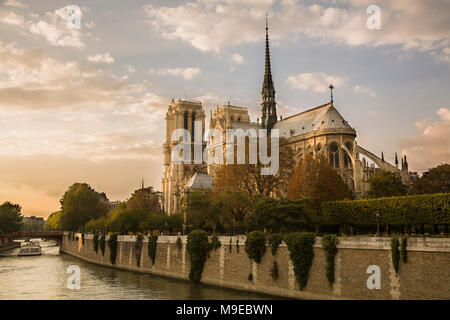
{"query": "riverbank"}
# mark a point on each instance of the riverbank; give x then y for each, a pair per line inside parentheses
(426, 275)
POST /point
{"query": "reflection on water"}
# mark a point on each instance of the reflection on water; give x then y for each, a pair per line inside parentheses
(44, 277)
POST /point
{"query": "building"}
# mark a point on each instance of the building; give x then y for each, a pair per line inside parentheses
(320, 130)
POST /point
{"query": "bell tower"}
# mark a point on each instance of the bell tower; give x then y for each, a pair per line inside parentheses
(180, 115)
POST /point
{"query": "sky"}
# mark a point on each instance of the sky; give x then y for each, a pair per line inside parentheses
(88, 104)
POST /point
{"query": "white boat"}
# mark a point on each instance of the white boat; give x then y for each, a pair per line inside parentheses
(30, 248)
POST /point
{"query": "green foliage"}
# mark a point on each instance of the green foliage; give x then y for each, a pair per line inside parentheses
(436, 181)
(301, 252)
(231, 247)
(102, 244)
(274, 241)
(386, 184)
(10, 217)
(395, 253)
(280, 215)
(255, 245)
(408, 210)
(329, 243)
(96, 242)
(112, 244)
(237, 245)
(198, 248)
(152, 241)
(97, 225)
(82, 238)
(128, 220)
(138, 249)
(79, 204)
(156, 222)
(274, 271)
(201, 212)
(403, 249)
(144, 199)
(53, 222)
(215, 242)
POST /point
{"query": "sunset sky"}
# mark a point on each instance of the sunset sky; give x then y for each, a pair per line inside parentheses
(88, 105)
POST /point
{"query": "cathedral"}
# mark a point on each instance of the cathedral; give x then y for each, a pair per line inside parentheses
(318, 131)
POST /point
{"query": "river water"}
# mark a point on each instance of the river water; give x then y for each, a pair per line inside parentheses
(45, 277)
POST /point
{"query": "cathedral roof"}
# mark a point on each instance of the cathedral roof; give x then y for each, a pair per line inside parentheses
(200, 181)
(319, 118)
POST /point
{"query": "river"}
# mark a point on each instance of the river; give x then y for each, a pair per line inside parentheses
(45, 277)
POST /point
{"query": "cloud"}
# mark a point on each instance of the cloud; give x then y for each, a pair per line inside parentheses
(422, 26)
(316, 81)
(237, 58)
(52, 26)
(15, 3)
(130, 68)
(101, 58)
(432, 146)
(11, 18)
(364, 90)
(29, 79)
(186, 73)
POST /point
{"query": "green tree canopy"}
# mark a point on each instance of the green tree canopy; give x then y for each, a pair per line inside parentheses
(10, 217)
(53, 222)
(437, 180)
(282, 215)
(201, 212)
(145, 199)
(79, 204)
(128, 220)
(234, 207)
(386, 184)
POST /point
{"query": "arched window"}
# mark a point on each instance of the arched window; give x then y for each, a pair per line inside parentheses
(186, 120)
(347, 159)
(334, 155)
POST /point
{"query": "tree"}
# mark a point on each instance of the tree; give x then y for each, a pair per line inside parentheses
(385, 184)
(156, 222)
(282, 215)
(175, 222)
(145, 199)
(128, 220)
(53, 222)
(313, 178)
(247, 178)
(437, 180)
(10, 217)
(100, 225)
(234, 207)
(79, 204)
(201, 212)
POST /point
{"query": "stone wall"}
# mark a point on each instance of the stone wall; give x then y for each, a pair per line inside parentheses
(426, 275)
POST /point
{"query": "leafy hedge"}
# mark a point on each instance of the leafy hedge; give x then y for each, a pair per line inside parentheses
(152, 241)
(329, 243)
(301, 252)
(275, 240)
(395, 253)
(409, 210)
(403, 249)
(112, 244)
(198, 248)
(96, 242)
(102, 244)
(138, 249)
(255, 245)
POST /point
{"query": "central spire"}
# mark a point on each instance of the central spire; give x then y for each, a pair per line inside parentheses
(269, 111)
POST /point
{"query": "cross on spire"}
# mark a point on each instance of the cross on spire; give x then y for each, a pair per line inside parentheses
(331, 89)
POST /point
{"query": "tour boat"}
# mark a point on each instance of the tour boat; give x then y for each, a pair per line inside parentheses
(30, 248)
